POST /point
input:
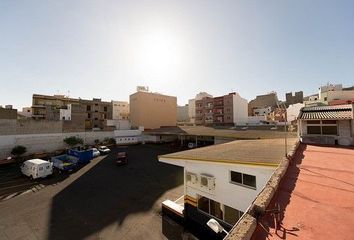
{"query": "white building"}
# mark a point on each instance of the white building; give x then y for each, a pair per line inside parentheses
(221, 181)
(262, 111)
(120, 110)
(293, 111)
(65, 113)
(240, 109)
(191, 104)
(124, 137)
(327, 125)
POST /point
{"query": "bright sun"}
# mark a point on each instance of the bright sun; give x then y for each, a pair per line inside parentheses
(158, 53)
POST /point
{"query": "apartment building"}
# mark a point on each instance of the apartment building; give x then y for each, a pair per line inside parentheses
(152, 110)
(229, 109)
(182, 114)
(49, 107)
(97, 111)
(192, 106)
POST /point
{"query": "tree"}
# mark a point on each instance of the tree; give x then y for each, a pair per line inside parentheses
(18, 150)
(112, 141)
(97, 141)
(73, 141)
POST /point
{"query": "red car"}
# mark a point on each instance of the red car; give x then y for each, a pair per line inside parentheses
(122, 158)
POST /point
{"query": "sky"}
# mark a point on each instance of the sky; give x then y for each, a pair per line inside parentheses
(104, 49)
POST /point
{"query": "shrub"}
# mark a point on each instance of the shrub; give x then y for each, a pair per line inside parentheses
(112, 141)
(72, 141)
(18, 150)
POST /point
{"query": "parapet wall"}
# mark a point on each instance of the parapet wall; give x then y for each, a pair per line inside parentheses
(245, 227)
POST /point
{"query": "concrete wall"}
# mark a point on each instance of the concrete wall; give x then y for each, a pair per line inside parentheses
(6, 113)
(38, 143)
(240, 110)
(293, 111)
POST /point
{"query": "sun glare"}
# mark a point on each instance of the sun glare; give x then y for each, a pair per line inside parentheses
(158, 53)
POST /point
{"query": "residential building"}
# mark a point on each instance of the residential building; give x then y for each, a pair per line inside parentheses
(229, 109)
(221, 181)
(182, 113)
(120, 110)
(97, 111)
(49, 107)
(293, 99)
(263, 101)
(327, 124)
(191, 105)
(152, 110)
(278, 115)
(204, 111)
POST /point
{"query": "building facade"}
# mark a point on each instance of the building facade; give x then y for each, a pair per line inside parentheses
(152, 110)
(229, 109)
(263, 101)
(327, 125)
(8, 113)
(182, 114)
(221, 181)
(49, 108)
(120, 110)
(192, 106)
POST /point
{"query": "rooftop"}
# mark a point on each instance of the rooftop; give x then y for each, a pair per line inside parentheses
(328, 112)
(315, 196)
(267, 152)
(213, 132)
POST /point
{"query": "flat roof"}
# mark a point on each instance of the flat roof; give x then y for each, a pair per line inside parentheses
(315, 196)
(214, 132)
(267, 152)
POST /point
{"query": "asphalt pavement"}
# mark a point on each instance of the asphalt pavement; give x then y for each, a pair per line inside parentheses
(100, 201)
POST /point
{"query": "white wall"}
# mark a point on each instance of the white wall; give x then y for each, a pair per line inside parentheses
(227, 193)
(39, 143)
(293, 111)
(65, 114)
(183, 113)
(120, 110)
(240, 110)
(191, 110)
(119, 124)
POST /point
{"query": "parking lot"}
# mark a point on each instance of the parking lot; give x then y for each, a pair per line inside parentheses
(100, 201)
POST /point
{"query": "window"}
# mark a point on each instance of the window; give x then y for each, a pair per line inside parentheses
(63, 118)
(40, 168)
(324, 127)
(105, 109)
(243, 179)
(219, 211)
(47, 167)
(88, 108)
(232, 215)
(88, 115)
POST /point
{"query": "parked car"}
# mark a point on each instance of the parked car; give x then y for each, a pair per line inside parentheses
(122, 158)
(95, 152)
(37, 168)
(104, 150)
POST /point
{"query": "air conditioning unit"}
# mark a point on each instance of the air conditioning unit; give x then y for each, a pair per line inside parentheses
(192, 178)
(207, 182)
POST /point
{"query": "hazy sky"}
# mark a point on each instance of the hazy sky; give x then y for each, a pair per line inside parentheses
(106, 48)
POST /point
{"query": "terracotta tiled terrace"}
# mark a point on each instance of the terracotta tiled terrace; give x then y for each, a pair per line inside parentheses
(316, 197)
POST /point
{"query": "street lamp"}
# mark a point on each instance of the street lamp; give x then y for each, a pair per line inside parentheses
(215, 226)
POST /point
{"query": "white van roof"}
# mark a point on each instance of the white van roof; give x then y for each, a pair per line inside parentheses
(37, 161)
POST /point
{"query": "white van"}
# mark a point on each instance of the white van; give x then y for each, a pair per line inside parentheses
(37, 168)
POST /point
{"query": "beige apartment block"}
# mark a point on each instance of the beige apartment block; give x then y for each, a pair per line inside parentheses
(152, 110)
